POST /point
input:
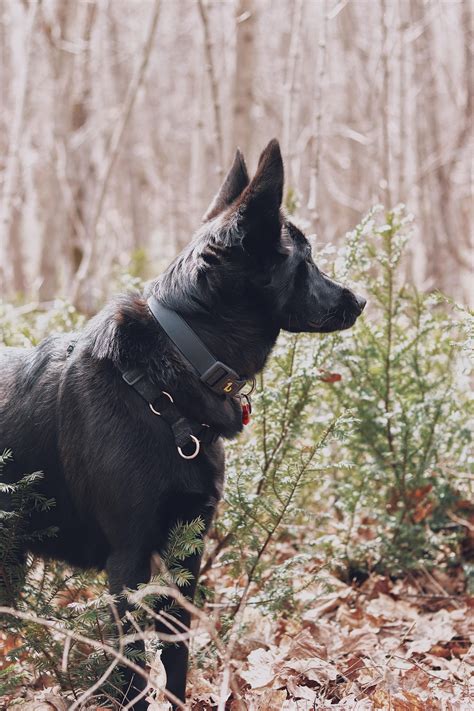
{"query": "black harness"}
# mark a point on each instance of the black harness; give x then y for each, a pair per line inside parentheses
(188, 435)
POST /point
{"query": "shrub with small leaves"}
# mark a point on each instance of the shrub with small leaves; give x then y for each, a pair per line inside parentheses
(403, 382)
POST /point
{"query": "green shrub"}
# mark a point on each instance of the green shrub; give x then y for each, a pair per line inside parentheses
(403, 382)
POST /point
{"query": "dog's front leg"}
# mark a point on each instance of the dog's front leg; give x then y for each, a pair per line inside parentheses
(175, 656)
(126, 569)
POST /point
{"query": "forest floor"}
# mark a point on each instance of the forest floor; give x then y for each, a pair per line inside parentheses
(403, 646)
(397, 646)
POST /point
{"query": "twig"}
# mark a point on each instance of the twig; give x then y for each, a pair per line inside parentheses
(436, 584)
(92, 689)
(114, 149)
(119, 656)
(194, 611)
(211, 71)
(461, 521)
(272, 531)
(284, 427)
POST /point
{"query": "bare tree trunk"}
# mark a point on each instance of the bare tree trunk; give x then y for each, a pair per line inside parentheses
(114, 147)
(197, 182)
(440, 238)
(15, 252)
(244, 75)
(402, 132)
(11, 261)
(291, 88)
(317, 115)
(385, 144)
(211, 70)
(132, 189)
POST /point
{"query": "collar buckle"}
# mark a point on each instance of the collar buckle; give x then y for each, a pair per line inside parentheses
(222, 379)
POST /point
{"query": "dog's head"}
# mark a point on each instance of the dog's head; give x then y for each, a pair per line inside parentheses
(248, 252)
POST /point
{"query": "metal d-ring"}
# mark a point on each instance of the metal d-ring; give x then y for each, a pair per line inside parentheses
(196, 451)
(253, 385)
(155, 412)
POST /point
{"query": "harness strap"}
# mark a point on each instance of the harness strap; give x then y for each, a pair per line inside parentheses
(185, 431)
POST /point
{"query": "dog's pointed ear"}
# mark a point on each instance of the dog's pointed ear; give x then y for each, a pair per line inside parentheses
(234, 183)
(259, 205)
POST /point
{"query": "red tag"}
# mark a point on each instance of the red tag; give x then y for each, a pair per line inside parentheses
(245, 413)
(328, 377)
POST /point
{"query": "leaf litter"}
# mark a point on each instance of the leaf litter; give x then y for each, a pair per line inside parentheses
(380, 646)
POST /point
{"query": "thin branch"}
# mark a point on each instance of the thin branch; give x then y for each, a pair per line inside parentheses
(182, 601)
(119, 656)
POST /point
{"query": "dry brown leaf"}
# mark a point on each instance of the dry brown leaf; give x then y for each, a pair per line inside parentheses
(323, 634)
(376, 584)
(302, 692)
(270, 699)
(7, 644)
(405, 701)
(327, 603)
(304, 645)
(357, 617)
(362, 640)
(45, 702)
(260, 668)
(386, 607)
(313, 669)
(354, 665)
(432, 629)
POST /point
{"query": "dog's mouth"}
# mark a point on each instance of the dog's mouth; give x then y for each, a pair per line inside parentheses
(336, 321)
(339, 319)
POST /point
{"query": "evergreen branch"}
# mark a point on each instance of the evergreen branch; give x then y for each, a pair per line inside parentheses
(55, 626)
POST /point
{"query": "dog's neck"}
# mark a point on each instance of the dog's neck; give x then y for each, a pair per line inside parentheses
(239, 338)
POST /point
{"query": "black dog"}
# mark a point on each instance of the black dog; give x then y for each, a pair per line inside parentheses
(121, 475)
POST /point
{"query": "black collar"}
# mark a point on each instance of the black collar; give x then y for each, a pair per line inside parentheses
(215, 374)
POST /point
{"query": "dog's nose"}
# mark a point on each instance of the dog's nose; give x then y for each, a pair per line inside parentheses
(361, 302)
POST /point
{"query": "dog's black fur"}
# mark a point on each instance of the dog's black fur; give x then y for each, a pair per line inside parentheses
(110, 464)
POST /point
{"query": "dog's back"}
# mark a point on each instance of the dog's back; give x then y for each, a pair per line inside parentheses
(28, 393)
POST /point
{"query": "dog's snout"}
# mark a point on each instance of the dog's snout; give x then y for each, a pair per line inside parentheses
(357, 301)
(361, 302)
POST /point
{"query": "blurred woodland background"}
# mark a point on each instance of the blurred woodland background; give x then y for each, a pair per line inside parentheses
(118, 118)
(339, 572)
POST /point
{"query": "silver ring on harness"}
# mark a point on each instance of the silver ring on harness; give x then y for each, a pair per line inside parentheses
(196, 451)
(155, 412)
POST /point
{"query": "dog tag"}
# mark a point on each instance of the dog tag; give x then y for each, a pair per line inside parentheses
(246, 406)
